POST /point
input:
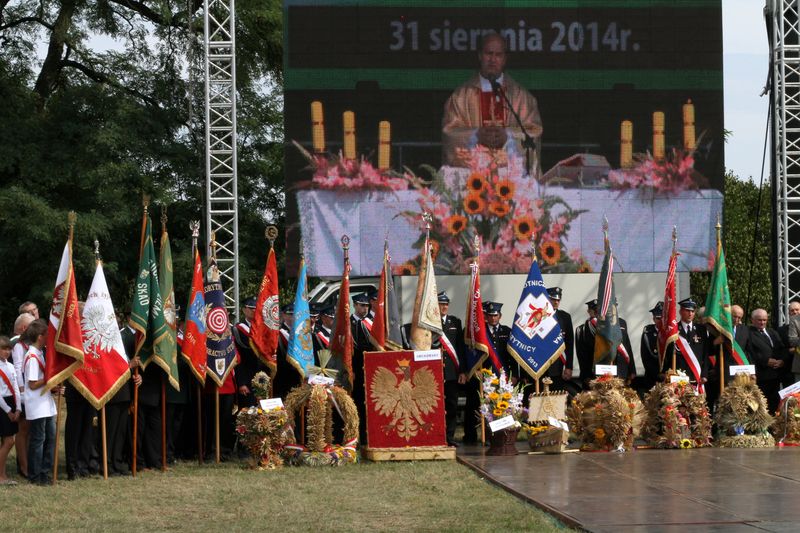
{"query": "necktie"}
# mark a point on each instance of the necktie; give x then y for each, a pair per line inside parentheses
(767, 335)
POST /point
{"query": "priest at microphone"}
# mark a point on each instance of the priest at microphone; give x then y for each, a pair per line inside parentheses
(477, 113)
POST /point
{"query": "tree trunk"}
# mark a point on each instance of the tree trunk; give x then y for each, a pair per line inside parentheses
(51, 68)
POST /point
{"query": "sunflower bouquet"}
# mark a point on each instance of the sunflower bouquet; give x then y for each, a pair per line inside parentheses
(502, 206)
(501, 398)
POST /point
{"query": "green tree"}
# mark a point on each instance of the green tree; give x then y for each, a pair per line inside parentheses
(102, 101)
(748, 274)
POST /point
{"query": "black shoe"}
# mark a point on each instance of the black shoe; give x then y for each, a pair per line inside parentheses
(469, 442)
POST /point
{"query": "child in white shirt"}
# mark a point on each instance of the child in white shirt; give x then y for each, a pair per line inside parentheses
(9, 407)
(40, 409)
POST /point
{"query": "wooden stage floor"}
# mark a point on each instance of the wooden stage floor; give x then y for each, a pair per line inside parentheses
(707, 489)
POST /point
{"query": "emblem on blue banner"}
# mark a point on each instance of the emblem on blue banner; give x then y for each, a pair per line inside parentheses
(536, 340)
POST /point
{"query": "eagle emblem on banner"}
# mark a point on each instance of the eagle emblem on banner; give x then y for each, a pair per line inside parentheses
(405, 397)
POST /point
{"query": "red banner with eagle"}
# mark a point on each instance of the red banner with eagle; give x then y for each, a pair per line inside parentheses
(405, 399)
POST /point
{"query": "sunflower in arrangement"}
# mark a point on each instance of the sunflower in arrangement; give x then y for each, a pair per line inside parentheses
(507, 210)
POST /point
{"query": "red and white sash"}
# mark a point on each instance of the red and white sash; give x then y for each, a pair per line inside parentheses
(447, 346)
(7, 381)
(32, 355)
(691, 361)
(323, 339)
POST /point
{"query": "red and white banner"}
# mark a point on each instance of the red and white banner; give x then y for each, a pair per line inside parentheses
(64, 338)
(267, 318)
(105, 367)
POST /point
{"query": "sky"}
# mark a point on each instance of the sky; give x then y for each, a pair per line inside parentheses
(745, 69)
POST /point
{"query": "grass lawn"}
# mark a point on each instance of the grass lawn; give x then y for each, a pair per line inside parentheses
(418, 496)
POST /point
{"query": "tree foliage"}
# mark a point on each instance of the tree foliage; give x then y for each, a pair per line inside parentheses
(746, 241)
(102, 101)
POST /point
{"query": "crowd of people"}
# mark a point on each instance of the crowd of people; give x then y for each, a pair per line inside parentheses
(27, 414)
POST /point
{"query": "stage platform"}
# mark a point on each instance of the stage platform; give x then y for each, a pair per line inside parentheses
(707, 489)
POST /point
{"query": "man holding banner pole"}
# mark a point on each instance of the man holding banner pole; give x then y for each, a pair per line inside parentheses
(452, 345)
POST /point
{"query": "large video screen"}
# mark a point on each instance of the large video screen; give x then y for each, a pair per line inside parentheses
(519, 124)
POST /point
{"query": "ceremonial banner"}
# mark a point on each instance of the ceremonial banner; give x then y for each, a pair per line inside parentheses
(301, 347)
(105, 367)
(608, 337)
(220, 348)
(475, 339)
(147, 314)
(267, 318)
(718, 307)
(341, 345)
(166, 352)
(668, 325)
(426, 318)
(64, 339)
(194, 334)
(394, 323)
(377, 335)
(405, 399)
(536, 340)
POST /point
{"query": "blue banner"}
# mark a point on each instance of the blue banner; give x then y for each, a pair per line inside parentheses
(536, 340)
(220, 349)
(301, 348)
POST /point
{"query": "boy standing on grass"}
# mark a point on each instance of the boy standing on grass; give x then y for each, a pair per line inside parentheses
(40, 409)
(9, 407)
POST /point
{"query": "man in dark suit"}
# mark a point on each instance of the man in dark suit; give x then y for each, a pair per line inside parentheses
(584, 344)
(626, 367)
(323, 331)
(118, 433)
(697, 339)
(499, 334)
(249, 363)
(360, 326)
(452, 346)
(648, 349)
(769, 356)
(561, 370)
(286, 376)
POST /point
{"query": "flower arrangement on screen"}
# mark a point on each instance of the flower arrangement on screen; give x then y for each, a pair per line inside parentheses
(495, 203)
(334, 172)
(672, 174)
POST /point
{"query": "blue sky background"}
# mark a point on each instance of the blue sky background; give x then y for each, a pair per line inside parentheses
(746, 63)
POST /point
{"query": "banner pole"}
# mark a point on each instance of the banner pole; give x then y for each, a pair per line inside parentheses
(135, 442)
(483, 419)
(58, 425)
(105, 444)
(199, 424)
(163, 422)
(721, 369)
(216, 421)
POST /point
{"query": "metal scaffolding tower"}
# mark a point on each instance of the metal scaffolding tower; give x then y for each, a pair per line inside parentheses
(782, 21)
(220, 121)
